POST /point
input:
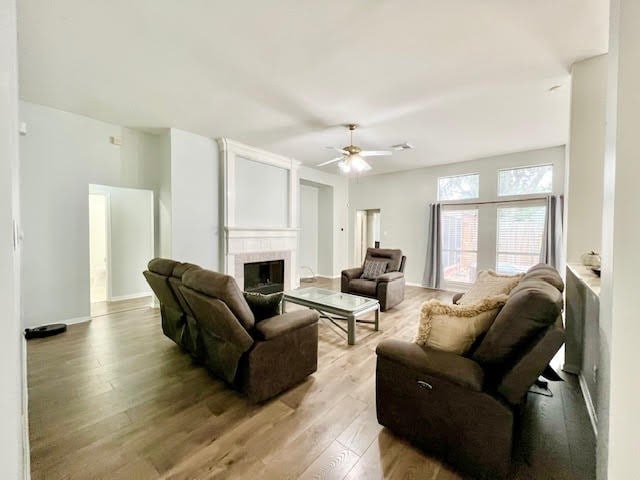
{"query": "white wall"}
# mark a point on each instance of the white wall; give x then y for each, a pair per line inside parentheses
(262, 194)
(618, 441)
(585, 157)
(147, 157)
(195, 215)
(403, 199)
(13, 460)
(336, 198)
(308, 238)
(325, 230)
(60, 156)
(131, 242)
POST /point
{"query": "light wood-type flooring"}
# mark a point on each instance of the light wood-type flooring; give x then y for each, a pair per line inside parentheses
(114, 398)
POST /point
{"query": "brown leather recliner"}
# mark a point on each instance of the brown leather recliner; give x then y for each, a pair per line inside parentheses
(388, 288)
(172, 316)
(260, 358)
(463, 408)
(191, 333)
(164, 276)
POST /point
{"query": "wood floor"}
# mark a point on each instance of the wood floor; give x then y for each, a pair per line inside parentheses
(99, 309)
(114, 398)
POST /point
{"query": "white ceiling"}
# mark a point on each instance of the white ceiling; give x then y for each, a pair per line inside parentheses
(459, 79)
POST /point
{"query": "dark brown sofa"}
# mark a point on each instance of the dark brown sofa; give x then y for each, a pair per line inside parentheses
(388, 288)
(261, 359)
(463, 408)
(165, 278)
(172, 316)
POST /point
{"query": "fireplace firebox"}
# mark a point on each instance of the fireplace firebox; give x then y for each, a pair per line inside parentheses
(264, 277)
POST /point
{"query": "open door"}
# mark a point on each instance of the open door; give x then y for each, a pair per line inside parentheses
(98, 247)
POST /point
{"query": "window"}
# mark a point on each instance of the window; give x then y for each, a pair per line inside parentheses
(519, 237)
(459, 237)
(525, 180)
(461, 187)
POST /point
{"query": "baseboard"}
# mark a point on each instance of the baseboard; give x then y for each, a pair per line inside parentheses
(412, 284)
(593, 416)
(328, 277)
(26, 448)
(573, 369)
(72, 321)
(132, 296)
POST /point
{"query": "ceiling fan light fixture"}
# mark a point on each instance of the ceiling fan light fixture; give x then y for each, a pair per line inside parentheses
(358, 163)
(344, 166)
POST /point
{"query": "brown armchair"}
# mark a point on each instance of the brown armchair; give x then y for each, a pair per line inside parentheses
(261, 358)
(464, 408)
(388, 288)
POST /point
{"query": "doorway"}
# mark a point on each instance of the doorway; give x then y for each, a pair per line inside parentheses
(315, 241)
(121, 243)
(367, 232)
(98, 247)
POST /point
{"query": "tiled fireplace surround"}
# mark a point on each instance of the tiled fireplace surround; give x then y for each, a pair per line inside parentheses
(250, 245)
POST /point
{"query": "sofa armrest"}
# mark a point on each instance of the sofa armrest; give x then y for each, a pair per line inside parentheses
(445, 365)
(389, 277)
(285, 323)
(352, 273)
(457, 297)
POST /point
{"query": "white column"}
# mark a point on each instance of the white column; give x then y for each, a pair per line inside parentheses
(585, 158)
(618, 439)
(12, 459)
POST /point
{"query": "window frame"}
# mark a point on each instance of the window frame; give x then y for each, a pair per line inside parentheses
(504, 197)
(471, 174)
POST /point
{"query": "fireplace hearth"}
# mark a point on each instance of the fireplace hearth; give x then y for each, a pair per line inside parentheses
(264, 277)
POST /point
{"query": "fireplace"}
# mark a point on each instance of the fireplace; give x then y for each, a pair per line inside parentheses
(264, 277)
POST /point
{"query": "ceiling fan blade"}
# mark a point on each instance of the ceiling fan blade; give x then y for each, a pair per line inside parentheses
(330, 161)
(375, 153)
(338, 149)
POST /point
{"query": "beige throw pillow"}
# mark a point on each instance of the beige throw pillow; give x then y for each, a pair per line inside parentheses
(454, 328)
(489, 284)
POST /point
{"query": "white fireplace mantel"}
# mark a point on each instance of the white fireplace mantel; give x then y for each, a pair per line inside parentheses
(250, 243)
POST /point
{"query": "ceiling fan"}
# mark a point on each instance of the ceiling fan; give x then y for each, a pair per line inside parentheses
(352, 158)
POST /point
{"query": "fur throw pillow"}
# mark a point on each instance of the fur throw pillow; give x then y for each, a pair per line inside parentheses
(454, 328)
(489, 284)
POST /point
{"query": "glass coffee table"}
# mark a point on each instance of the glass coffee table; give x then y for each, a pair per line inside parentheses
(336, 307)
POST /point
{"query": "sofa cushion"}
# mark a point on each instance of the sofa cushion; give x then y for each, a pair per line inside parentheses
(547, 273)
(162, 266)
(531, 308)
(454, 328)
(285, 323)
(222, 287)
(489, 284)
(264, 306)
(393, 256)
(373, 268)
(363, 286)
(182, 267)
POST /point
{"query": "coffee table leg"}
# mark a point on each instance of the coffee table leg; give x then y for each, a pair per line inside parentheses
(351, 330)
(284, 306)
(377, 317)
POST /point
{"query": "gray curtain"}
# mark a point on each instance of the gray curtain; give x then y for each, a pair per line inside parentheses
(432, 270)
(552, 242)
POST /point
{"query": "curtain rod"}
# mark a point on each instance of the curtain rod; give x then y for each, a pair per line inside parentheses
(528, 199)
